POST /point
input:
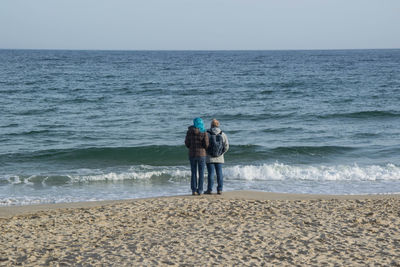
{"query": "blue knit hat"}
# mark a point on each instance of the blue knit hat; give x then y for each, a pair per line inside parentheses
(198, 123)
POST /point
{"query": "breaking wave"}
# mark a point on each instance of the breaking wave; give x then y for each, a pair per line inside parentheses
(264, 172)
(167, 155)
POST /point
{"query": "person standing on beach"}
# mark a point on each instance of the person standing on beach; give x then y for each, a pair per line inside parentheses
(219, 145)
(197, 142)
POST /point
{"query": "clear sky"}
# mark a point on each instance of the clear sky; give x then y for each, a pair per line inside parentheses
(199, 24)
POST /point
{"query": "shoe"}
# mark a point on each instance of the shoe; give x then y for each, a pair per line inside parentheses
(208, 192)
(219, 192)
(193, 193)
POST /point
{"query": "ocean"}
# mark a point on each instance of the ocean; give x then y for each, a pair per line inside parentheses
(102, 125)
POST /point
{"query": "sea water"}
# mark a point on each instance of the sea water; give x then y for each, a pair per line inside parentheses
(96, 125)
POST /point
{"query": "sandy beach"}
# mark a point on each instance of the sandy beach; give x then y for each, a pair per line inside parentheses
(241, 228)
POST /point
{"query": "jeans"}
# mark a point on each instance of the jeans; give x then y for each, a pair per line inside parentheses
(210, 177)
(197, 163)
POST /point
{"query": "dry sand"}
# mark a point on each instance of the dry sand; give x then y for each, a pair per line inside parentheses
(241, 228)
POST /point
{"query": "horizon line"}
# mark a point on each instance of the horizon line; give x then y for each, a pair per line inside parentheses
(195, 50)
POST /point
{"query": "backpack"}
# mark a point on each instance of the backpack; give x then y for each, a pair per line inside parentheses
(216, 147)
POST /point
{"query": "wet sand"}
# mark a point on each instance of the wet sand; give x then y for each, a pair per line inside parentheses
(242, 228)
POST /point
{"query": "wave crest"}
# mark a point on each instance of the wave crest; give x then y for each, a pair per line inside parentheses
(279, 171)
(362, 115)
(265, 172)
(163, 155)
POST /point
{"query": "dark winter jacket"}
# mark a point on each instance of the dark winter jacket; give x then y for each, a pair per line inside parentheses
(197, 142)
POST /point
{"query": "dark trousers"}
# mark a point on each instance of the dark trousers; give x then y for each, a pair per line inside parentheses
(197, 163)
(210, 177)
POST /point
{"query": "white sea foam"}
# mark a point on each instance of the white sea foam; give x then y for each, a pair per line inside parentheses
(16, 179)
(265, 172)
(32, 200)
(142, 172)
(279, 171)
(276, 171)
(10, 201)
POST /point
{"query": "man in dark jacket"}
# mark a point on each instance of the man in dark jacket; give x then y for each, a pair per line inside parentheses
(197, 142)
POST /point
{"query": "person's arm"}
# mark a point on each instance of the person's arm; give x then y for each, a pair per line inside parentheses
(226, 144)
(206, 141)
(187, 140)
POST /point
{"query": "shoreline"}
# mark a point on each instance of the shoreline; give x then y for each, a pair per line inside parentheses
(17, 210)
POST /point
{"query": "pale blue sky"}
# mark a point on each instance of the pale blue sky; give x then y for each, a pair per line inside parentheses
(199, 25)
